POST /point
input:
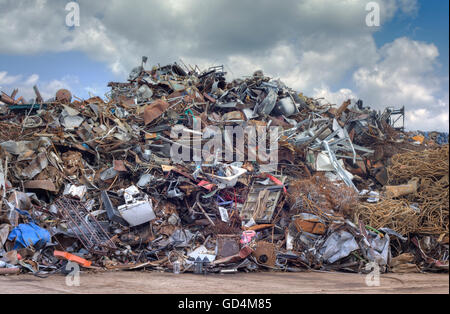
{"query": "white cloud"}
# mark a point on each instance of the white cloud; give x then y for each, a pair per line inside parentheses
(405, 76)
(6, 79)
(32, 80)
(335, 98)
(118, 32)
(312, 45)
(422, 119)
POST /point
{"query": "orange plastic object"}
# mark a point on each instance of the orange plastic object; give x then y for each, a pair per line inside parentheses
(73, 258)
(419, 138)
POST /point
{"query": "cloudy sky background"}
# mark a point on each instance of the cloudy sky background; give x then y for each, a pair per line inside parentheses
(322, 48)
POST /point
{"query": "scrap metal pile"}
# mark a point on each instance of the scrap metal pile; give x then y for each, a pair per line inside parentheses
(94, 181)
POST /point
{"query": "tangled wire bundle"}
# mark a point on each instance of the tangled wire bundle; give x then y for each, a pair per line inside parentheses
(432, 195)
(431, 163)
(397, 215)
(321, 197)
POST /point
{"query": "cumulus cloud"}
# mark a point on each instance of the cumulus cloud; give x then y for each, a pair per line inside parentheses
(6, 79)
(312, 45)
(117, 31)
(405, 76)
(337, 98)
(420, 119)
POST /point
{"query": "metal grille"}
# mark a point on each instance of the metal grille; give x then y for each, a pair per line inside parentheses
(87, 229)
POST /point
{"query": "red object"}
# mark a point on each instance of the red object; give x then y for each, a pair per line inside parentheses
(247, 236)
(206, 185)
(276, 181)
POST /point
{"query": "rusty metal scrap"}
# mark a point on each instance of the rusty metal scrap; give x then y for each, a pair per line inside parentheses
(394, 214)
(347, 188)
(431, 163)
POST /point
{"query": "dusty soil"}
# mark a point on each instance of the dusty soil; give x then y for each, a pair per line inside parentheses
(255, 283)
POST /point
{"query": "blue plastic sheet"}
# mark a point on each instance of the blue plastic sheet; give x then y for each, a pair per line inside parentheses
(29, 234)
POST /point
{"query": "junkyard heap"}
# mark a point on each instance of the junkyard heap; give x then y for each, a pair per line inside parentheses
(93, 182)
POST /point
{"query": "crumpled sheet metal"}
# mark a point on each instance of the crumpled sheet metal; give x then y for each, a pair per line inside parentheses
(155, 110)
(35, 167)
(19, 148)
(137, 213)
(379, 251)
(339, 245)
(46, 185)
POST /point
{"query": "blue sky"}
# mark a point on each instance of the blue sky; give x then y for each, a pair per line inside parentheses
(346, 62)
(53, 65)
(431, 24)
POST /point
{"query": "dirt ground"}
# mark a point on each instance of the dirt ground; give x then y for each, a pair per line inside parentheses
(255, 283)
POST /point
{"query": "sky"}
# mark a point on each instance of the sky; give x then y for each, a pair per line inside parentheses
(322, 48)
